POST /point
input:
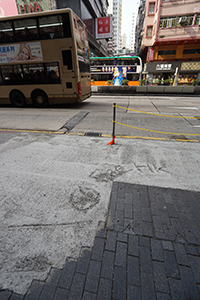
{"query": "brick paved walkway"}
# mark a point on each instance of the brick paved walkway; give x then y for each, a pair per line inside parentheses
(149, 248)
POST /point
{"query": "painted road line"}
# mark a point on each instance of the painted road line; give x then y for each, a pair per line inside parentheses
(103, 135)
(28, 130)
(156, 131)
(155, 114)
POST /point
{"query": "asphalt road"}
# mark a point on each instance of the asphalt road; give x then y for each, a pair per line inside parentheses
(172, 118)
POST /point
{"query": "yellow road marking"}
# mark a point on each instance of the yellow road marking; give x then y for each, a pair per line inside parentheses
(163, 132)
(103, 135)
(158, 115)
(34, 131)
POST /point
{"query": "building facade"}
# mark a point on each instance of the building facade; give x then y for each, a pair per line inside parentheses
(117, 24)
(123, 40)
(139, 26)
(170, 44)
(133, 27)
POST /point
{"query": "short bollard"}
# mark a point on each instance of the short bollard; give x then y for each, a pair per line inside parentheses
(113, 133)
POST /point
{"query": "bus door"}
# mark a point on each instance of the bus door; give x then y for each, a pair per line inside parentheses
(68, 75)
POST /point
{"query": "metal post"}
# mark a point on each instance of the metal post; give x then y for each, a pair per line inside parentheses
(114, 109)
(113, 133)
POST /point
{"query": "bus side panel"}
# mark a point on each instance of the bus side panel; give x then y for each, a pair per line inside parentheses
(85, 85)
(82, 56)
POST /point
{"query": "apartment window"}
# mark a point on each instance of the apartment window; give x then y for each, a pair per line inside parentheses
(191, 51)
(197, 20)
(177, 21)
(149, 30)
(167, 52)
(151, 8)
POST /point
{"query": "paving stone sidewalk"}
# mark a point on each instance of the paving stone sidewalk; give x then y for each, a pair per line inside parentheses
(149, 248)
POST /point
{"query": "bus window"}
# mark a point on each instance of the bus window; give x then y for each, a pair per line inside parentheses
(26, 30)
(67, 59)
(34, 73)
(1, 81)
(84, 67)
(66, 25)
(12, 74)
(6, 33)
(51, 27)
(53, 73)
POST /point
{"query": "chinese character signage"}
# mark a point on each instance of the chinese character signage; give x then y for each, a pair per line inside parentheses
(27, 6)
(150, 53)
(163, 67)
(103, 28)
(21, 53)
(8, 8)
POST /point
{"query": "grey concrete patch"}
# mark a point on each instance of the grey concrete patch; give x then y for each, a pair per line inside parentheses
(55, 190)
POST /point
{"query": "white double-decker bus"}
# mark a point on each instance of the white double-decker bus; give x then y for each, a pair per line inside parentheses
(44, 59)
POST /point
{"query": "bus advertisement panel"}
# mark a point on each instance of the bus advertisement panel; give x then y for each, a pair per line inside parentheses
(8, 8)
(21, 52)
(81, 41)
(118, 75)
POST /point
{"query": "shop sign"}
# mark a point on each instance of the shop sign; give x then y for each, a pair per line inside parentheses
(26, 6)
(103, 27)
(163, 67)
(150, 53)
(8, 8)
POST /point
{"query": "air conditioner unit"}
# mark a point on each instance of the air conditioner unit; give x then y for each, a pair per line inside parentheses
(182, 20)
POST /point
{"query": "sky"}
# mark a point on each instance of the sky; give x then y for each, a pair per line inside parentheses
(128, 7)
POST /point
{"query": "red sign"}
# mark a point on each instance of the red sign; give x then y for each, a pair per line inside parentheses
(150, 53)
(103, 28)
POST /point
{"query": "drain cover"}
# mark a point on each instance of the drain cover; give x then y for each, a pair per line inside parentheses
(93, 134)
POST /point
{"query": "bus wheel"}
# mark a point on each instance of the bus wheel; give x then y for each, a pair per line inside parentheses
(40, 99)
(17, 99)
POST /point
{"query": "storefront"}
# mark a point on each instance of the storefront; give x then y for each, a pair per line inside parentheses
(172, 72)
